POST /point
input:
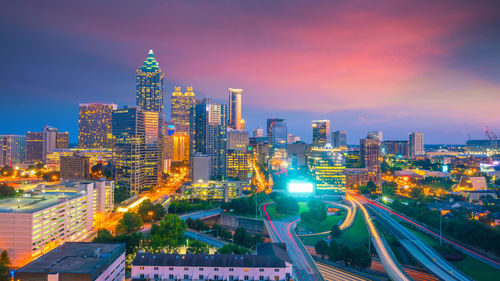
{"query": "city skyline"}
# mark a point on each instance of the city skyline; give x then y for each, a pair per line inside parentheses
(431, 79)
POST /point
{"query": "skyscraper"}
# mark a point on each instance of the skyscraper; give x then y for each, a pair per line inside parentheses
(209, 135)
(327, 164)
(62, 140)
(128, 133)
(12, 149)
(377, 135)
(416, 144)
(237, 139)
(49, 140)
(370, 154)
(339, 139)
(258, 132)
(321, 132)
(149, 88)
(235, 120)
(34, 147)
(277, 138)
(94, 125)
(180, 108)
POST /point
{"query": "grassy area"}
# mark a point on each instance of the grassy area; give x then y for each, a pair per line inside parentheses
(470, 266)
(354, 236)
(325, 225)
(274, 215)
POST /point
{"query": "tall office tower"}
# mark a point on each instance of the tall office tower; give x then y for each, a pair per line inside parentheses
(235, 120)
(153, 124)
(277, 137)
(49, 140)
(258, 132)
(237, 140)
(209, 135)
(62, 140)
(339, 139)
(321, 132)
(416, 144)
(291, 138)
(395, 148)
(353, 159)
(128, 133)
(376, 135)
(12, 149)
(75, 167)
(180, 107)
(94, 125)
(370, 154)
(34, 147)
(149, 92)
(327, 164)
(237, 164)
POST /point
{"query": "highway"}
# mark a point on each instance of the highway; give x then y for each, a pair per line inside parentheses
(207, 239)
(422, 252)
(391, 265)
(201, 214)
(282, 232)
(331, 273)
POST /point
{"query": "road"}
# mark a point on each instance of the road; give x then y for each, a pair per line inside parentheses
(463, 248)
(422, 252)
(210, 240)
(391, 265)
(282, 232)
(331, 273)
(201, 214)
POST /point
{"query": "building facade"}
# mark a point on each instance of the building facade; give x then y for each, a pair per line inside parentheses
(235, 120)
(149, 85)
(370, 154)
(102, 156)
(395, 148)
(34, 147)
(416, 144)
(212, 190)
(361, 176)
(75, 167)
(277, 138)
(209, 135)
(238, 166)
(258, 132)
(237, 139)
(180, 108)
(321, 132)
(339, 139)
(12, 149)
(94, 125)
(62, 140)
(49, 140)
(327, 165)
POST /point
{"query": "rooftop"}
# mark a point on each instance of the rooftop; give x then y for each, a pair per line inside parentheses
(204, 260)
(34, 203)
(77, 257)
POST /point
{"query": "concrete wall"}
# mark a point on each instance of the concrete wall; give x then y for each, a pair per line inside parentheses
(253, 225)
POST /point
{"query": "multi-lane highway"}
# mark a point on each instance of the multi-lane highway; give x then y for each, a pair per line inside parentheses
(422, 252)
(282, 232)
(391, 265)
(331, 273)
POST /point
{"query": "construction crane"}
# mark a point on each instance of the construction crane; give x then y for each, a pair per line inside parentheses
(492, 137)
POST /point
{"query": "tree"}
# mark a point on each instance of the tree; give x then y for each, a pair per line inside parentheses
(317, 210)
(389, 188)
(4, 266)
(372, 187)
(333, 251)
(417, 192)
(346, 255)
(168, 233)
(321, 248)
(103, 236)
(7, 191)
(197, 247)
(287, 205)
(158, 211)
(130, 222)
(145, 210)
(335, 232)
(241, 237)
(132, 241)
(361, 258)
(233, 249)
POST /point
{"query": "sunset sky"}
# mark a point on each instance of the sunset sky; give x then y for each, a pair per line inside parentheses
(431, 66)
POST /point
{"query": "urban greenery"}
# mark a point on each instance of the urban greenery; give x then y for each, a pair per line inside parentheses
(130, 222)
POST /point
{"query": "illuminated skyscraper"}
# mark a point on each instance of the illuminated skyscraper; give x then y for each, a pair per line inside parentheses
(235, 120)
(370, 154)
(258, 132)
(12, 149)
(149, 92)
(276, 136)
(49, 140)
(137, 143)
(376, 135)
(339, 139)
(209, 135)
(237, 164)
(321, 132)
(34, 147)
(94, 125)
(62, 140)
(327, 164)
(237, 140)
(180, 107)
(416, 144)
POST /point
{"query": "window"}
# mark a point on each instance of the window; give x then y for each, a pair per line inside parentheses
(277, 278)
(216, 277)
(287, 275)
(276, 270)
(231, 277)
(155, 268)
(170, 268)
(186, 269)
(170, 276)
(141, 275)
(141, 268)
(201, 268)
(246, 277)
(186, 277)
(231, 269)
(201, 277)
(261, 277)
(261, 269)
(216, 269)
(156, 276)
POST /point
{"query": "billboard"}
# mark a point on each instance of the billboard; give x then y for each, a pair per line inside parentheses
(300, 187)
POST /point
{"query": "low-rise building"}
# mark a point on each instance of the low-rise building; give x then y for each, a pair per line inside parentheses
(75, 167)
(77, 262)
(361, 176)
(213, 190)
(148, 266)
